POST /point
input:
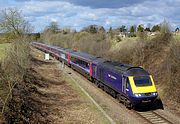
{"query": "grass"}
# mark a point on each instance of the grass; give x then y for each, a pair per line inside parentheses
(74, 86)
(91, 107)
(2, 49)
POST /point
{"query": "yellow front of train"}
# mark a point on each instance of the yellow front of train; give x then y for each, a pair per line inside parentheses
(143, 89)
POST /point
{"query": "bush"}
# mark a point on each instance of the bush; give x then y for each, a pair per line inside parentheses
(118, 39)
(13, 68)
(172, 67)
(165, 35)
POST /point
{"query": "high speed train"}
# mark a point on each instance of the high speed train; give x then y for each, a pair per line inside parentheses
(131, 85)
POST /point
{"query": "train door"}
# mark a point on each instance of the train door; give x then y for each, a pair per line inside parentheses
(69, 57)
(101, 74)
(94, 70)
(90, 69)
(125, 85)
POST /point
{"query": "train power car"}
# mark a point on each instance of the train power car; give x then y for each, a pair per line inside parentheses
(131, 85)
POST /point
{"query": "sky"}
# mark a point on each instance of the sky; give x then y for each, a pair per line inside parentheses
(77, 14)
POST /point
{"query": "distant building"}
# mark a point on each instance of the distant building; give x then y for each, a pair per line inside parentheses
(177, 30)
(152, 33)
(122, 35)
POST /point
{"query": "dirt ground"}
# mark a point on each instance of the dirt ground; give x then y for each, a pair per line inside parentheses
(65, 103)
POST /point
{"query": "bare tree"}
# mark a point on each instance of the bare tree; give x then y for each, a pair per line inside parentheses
(12, 21)
(53, 27)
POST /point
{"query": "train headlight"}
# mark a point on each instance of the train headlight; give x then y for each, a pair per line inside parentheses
(137, 94)
(154, 93)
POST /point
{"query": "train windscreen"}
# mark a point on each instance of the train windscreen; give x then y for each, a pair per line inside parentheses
(142, 81)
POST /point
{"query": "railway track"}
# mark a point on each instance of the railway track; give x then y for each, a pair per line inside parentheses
(153, 117)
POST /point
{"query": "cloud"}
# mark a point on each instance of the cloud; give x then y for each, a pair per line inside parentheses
(105, 3)
(80, 13)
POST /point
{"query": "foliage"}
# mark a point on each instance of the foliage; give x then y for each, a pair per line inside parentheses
(132, 29)
(101, 29)
(147, 29)
(53, 27)
(156, 28)
(140, 28)
(94, 29)
(123, 28)
(91, 29)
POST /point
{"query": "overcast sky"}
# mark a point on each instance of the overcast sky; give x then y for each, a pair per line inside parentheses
(80, 13)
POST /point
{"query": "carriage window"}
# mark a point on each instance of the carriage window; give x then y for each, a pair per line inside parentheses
(80, 62)
(66, 56)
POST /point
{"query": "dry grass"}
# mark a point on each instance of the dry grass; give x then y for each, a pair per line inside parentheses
(13, 68)
(177, 37)
(172, 63)
(3, 47)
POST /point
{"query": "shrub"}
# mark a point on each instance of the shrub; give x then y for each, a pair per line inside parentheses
(172, 67)
(13, 68)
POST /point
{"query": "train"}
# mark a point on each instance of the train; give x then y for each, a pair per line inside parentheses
(131, 85)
